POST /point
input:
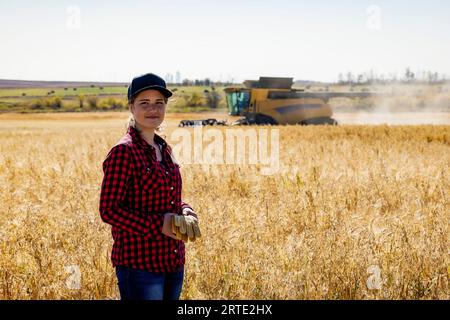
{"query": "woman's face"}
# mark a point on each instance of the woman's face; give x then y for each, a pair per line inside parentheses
(149, 108)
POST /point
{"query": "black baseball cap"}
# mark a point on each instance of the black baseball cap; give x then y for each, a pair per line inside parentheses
(145, 82)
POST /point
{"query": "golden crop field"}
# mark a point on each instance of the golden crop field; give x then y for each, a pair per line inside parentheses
(354, 212)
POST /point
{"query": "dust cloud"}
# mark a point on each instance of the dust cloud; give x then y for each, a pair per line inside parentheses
(396, 105)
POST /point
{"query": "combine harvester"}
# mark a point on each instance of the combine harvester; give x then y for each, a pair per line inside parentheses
(273, 101)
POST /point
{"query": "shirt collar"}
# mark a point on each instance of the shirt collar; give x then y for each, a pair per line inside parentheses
(138, 140)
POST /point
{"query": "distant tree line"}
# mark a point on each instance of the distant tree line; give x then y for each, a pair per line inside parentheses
(202, 83)
(408, 76)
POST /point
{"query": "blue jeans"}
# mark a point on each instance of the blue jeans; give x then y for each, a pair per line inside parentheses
(137, 284)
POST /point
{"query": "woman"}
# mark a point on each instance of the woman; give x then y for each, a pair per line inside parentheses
(141, 191)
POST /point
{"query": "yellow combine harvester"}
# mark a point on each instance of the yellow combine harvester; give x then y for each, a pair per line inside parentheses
(273, 101)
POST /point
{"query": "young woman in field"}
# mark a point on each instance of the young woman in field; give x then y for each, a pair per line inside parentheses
(141, 190)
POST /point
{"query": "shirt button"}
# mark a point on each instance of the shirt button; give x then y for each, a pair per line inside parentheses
(175, 251)
(171, 202)
(167, 172)
(171, 188)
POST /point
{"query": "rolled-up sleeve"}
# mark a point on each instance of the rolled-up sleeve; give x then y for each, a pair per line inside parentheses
(117, 169)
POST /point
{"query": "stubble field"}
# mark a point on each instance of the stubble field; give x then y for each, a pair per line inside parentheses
(354, 212)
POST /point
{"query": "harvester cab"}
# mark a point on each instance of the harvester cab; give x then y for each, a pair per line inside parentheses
(238, 101)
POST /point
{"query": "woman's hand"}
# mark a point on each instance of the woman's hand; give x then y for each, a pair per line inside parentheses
(189, 212)
(167, 226)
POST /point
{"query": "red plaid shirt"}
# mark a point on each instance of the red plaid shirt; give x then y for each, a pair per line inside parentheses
(137, 190)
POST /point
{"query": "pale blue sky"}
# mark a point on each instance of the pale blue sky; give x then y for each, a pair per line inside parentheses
(316, 40)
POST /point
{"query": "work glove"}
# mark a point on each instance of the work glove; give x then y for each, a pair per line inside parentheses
(185, 227)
